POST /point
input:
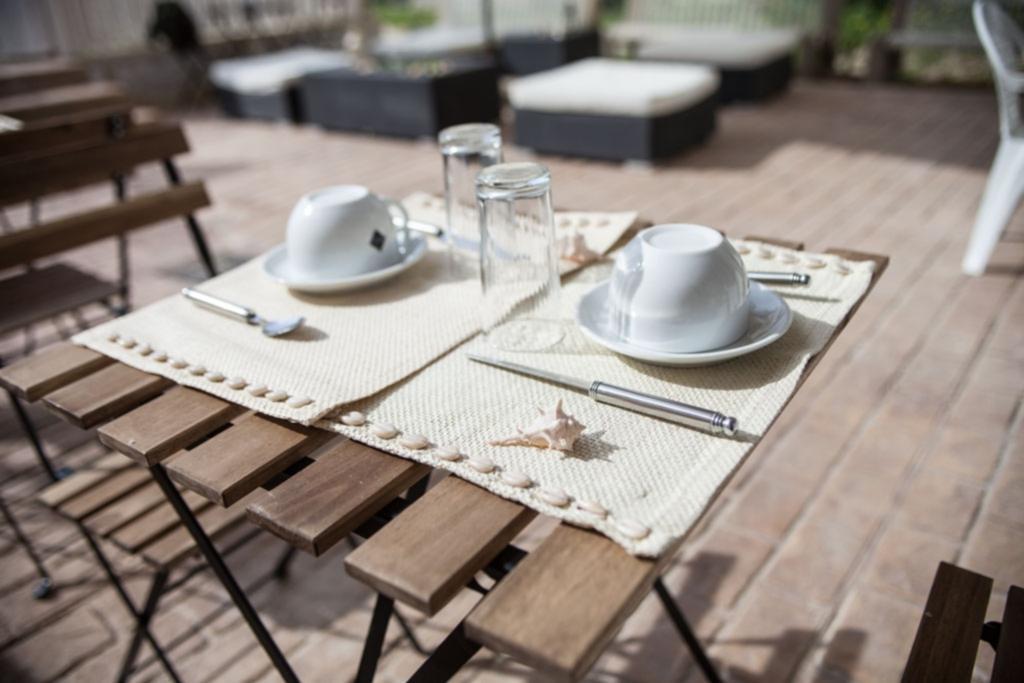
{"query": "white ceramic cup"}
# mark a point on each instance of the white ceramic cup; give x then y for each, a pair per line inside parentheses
(343, 231)
(679, 288)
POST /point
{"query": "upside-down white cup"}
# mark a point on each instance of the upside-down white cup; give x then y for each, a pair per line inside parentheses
(679, 288)
(343, 231)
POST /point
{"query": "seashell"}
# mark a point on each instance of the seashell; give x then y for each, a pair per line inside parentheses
(516, 479)
(160, 356)
(299, 401)
(384, 430)
(742, 249)
(583, 222)
(815, 263)
(562, 223)
(237, 383)
(353, 419)
(603, 223)
(449, 453)
(592, 508)
(787, 257)
(179, 363)
(843, 269)
(113, 336)
(258, 389)
(554, 429)
(632, 529)
(556, 497)
(127, 342)
(481, 464)
(143, 349)
(276, 395)
(196, 370)
(215, 376)
(767, 254)
(574, 248)
(414, 442)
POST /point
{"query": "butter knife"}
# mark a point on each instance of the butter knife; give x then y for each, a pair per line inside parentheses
(655, 406)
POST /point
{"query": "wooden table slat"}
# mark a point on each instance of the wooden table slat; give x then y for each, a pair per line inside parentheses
(52, 368)
(153, 525)
(239, 459)
(79, 482)
(318, 506)
(178, 545)
(426, 555)
(562, 605)
(104, 394)
(167, 424)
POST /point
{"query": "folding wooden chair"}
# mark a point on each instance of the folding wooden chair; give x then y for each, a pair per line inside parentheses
(953, 625)
(34, 294)
(17, 78)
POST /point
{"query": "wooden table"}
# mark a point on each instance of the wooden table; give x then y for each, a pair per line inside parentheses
(313, 489)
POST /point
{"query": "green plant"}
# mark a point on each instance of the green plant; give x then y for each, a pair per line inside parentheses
(402, 15)
(862, 21)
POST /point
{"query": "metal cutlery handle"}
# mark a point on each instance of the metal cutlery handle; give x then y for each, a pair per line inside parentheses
(779, 278)
(218, 304)
(674, 411)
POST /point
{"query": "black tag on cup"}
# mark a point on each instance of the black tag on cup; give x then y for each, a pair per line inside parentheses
(377, 240)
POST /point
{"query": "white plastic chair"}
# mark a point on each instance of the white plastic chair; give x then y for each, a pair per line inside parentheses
(1003, 41)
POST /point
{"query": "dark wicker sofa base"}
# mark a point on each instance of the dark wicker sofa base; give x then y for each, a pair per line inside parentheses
(759, 83)
(616, 137)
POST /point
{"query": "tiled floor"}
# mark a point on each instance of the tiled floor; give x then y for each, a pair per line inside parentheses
(904, 449)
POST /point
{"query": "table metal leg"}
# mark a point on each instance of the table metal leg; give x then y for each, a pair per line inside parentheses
(143, 620)
(374, 643)
(696, 649)
(450, 656)
(44, 587)
(227, 580)
(141, 626)
(33, 437)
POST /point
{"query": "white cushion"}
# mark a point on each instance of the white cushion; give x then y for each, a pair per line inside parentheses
(614, 87)
(431, 42)
(721, 46)
(273, 72)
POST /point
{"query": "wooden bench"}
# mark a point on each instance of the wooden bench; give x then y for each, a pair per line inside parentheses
(313, 490)
(953, 625)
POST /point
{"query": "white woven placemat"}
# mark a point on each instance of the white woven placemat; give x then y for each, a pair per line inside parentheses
(354, 344)
(641, 481)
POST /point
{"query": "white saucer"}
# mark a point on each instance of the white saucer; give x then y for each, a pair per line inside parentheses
(275, 266)
(770, 317)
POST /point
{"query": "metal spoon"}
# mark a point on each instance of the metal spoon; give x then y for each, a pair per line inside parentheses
(271, 328)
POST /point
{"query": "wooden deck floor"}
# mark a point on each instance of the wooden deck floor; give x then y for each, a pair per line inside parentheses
(906, 448)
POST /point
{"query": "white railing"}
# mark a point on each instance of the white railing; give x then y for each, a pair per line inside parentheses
(97, 28)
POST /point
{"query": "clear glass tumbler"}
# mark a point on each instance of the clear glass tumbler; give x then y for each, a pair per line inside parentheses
(466, 149)
(518, 258)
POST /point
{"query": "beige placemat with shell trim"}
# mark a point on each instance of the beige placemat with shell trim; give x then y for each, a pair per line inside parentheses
(641, 481)
(354, 344)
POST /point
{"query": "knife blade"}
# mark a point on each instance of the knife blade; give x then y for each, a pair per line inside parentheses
(681, 413)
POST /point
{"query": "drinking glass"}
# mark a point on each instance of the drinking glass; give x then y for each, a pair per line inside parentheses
(518, 259)
(466, 149)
